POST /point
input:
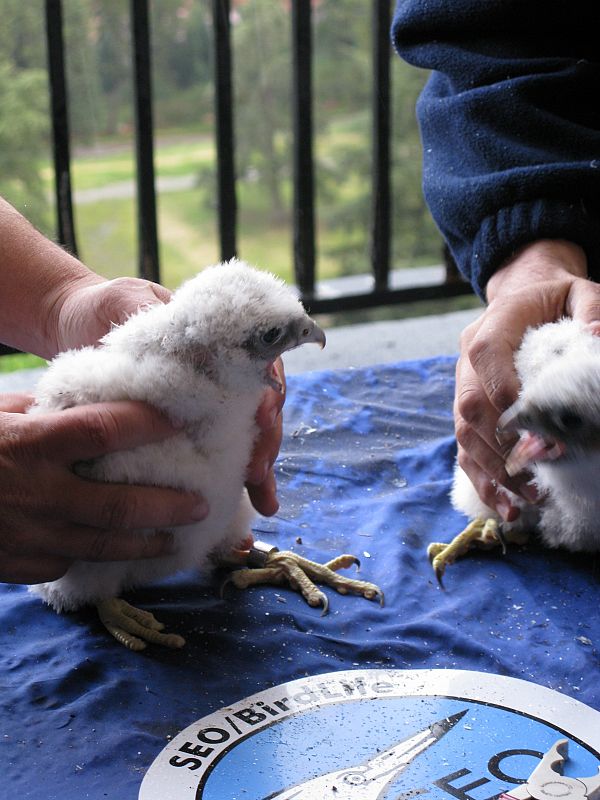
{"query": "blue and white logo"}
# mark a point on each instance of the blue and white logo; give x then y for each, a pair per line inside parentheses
(376, 735)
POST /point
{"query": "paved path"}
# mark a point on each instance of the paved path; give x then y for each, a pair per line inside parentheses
(126, 190)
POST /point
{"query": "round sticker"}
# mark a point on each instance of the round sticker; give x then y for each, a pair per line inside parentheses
(378, 735)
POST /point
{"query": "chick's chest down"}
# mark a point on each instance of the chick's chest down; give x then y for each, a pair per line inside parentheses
(557, 416)
(205, 360)
(209, 455)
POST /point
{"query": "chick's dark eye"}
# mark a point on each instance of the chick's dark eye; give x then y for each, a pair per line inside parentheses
(271, 336)
(569, 420)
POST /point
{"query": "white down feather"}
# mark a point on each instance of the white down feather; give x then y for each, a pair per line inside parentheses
(186, 359)
(558, 365)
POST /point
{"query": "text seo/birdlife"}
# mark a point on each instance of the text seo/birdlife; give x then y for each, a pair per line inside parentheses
(240, 721)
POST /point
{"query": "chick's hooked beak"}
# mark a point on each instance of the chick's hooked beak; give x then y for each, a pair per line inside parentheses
(514, 418)
(307, 332)
(533, 445)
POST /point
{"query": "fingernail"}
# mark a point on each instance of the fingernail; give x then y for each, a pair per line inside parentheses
(273, 414)
(200, 511)
(594, 327)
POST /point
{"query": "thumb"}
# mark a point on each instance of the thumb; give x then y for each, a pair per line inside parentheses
(584, 304)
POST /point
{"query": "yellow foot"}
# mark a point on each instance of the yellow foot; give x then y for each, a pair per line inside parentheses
(479, 534)
(268, 565)
(482, 534)
(133, 627)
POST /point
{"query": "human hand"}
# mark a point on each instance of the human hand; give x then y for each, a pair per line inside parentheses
(51, 517)
(260, 478)
(542, 283)
(87, 310)
(50, 300)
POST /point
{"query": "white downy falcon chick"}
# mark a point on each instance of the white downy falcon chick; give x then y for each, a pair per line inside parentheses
(557, 415)
(204, 359)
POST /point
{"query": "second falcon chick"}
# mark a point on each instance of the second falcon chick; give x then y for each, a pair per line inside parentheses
(558, 417)
(205, 360)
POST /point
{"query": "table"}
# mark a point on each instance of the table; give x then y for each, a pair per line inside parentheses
(365, 468)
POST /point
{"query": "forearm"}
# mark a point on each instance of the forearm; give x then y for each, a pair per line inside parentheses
(35, 276)
(510, 131)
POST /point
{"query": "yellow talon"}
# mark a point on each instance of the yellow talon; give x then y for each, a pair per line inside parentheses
(278, 567)
(133, 627)
(478, 533)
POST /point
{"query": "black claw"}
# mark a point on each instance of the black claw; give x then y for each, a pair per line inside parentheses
(224, 585)
(325, 605)
(502, 539)
(439, 574)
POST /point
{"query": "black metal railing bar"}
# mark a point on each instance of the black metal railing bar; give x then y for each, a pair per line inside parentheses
(303, 160)
(148, 258)
(60, 126)
(381, 208)
(224, 130)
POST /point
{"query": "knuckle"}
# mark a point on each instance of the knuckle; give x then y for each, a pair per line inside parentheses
(488, 493)
(163, 508)
(497, 473)
(470, 403)
(99, 547)
(467, 334)
(479, 351)
(111, 294)
(464, 435)
(120, 512)
(483, 484)
(500, 395)
(488, 361)
(124, 295)
(21, 441)
(464, 460)
(273, 455)
(102, 428)
(266, 454)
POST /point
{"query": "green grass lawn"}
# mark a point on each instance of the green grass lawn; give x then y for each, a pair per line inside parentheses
(106, 229)
(188, 238)
(187, 219)
(107, 164)
(19, 361)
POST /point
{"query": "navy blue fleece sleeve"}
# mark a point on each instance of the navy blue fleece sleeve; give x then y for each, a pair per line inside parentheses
(510, 123)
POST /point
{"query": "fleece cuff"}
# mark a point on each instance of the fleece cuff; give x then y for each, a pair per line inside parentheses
(502, 234)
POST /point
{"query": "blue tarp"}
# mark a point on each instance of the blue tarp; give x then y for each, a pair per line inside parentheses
(365, 468)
